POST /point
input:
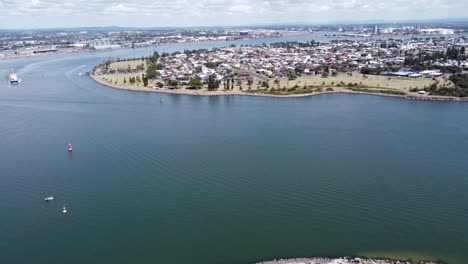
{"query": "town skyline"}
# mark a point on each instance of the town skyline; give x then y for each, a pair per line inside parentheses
(37, 14)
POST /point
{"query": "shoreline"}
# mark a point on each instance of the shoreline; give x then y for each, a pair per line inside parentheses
(348, 260)
(337, 90)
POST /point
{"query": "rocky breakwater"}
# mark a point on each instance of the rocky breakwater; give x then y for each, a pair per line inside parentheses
(346, 260)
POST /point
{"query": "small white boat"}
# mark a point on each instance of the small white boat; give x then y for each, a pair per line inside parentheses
(79, 74)
(13, 78)
(64, 210)
(48, 199)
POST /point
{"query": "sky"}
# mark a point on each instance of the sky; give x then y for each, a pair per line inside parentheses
(15, 14)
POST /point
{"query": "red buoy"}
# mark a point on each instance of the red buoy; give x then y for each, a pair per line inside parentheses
(70, 147)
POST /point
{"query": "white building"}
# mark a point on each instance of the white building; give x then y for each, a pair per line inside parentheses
(441, 31)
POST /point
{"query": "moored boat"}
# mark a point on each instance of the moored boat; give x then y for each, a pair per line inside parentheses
(48, 199)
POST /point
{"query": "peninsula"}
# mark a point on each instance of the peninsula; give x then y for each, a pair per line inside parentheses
(428, 69)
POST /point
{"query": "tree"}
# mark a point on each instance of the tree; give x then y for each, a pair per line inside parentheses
(145, 80)
(107, 64)
(291, 75)
(154, 58)
(211, 65)
(375, 71)
(460, 80)
(195, 83)
(212, 82)
(140, 67)
(174, 82)
(151, 72)
(159, 66)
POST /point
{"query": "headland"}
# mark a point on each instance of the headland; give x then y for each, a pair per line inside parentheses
(299, 69)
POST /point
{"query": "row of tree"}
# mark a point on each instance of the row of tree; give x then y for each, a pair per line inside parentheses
(425, 59)
(213, 83)
(371, 71)
(137, 79)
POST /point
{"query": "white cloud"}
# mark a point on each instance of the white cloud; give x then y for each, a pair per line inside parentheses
(150, 13)
(119, 9)
(240, 8)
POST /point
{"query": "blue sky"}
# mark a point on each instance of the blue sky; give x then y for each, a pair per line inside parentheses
(159, 13)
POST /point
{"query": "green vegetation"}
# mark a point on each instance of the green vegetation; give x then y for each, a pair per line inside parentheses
(153, 59)
(145, 80)
(460, 88)
(424, 60)
(151, 71)
(211, 65)
(195, 83)
(174, 83)
(292, 75)
(140, 67)
(376, 90)
(373, 71)
(212, 83)
(291, 91)
(159, 66)
(460, 80)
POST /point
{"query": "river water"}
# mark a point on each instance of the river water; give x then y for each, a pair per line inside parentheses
(234, 179)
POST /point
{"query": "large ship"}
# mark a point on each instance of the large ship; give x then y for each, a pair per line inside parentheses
(13, 78)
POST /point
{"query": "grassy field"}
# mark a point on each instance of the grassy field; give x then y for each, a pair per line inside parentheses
(400, 83)
(125, 64)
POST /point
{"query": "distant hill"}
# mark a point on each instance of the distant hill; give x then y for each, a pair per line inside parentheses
(462, 21)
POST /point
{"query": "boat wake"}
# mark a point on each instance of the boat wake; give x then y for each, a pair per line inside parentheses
(82, 66)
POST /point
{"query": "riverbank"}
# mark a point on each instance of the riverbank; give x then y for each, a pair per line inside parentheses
(219, 92)
(346, 260)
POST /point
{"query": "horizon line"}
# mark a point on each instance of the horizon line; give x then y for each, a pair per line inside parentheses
(356, 22)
